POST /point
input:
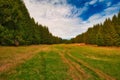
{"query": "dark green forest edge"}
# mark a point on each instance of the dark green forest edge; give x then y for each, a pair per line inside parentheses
(106, 34)
(18, 28)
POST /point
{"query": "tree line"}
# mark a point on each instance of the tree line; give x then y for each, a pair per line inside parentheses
(18, 28)
(103, 34)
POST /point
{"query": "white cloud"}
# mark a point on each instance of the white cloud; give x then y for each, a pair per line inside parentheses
(108, 4)
(101, 0)
(107, 13)
(62, 19)
(92, 2)
(113, 9)
(57, 16)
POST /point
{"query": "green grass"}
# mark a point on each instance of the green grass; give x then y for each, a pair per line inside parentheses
(87, 70)
(44, 66)
(105, 59)
(9, 54)
(55, 68)
(94, 76)
(32, 69)
(47, 64)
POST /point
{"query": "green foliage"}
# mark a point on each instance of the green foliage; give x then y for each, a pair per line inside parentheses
(106, 34)
(18, 28)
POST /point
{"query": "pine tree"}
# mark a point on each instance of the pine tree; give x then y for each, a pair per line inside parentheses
(18, 28)
(106, 34)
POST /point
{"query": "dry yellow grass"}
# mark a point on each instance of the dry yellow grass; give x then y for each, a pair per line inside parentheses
(83, 62)
(13, 56)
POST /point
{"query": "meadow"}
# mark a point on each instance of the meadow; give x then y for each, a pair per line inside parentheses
(59, 62)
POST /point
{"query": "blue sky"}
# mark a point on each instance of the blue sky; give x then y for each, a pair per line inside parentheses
(68, 18)
(94, 6)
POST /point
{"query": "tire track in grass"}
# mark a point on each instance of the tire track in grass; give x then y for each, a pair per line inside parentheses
(101, 74)
(71, 68)
(75, 71)
(80, 70)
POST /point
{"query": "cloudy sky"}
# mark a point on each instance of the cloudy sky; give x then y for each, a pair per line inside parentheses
(68, 18)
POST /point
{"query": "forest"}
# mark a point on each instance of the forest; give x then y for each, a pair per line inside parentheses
(18, 28)
(103, 34)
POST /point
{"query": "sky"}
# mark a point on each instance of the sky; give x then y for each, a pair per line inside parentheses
(68, 18)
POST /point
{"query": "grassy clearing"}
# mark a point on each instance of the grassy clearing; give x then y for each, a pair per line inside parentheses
(55, 68)
(30, 70)
(43, 66)
(86, 74)
(102, 58)
(11, 57)
(59, 62)
(93, 75)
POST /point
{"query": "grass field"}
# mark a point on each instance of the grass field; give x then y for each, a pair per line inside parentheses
(60, 62)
